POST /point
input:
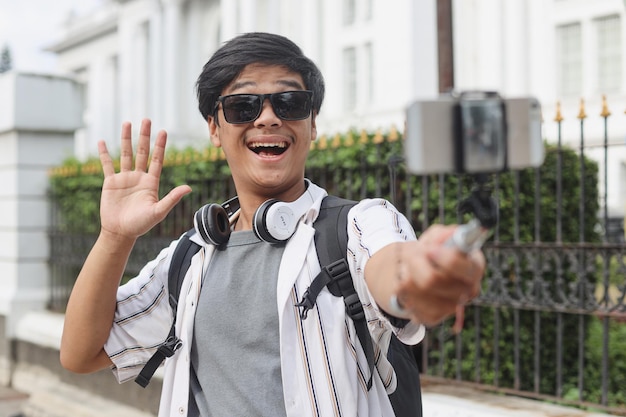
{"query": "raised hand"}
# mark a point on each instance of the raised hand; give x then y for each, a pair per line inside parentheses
(130, 204)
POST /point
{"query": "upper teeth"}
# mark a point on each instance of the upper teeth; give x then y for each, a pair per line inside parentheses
(268, 145)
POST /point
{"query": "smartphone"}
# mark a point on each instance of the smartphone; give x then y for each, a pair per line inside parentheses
(475, 132)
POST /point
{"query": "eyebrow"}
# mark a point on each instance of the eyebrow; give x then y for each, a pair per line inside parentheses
(286, 83)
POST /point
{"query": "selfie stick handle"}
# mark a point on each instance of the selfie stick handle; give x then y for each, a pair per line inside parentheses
(469, 236)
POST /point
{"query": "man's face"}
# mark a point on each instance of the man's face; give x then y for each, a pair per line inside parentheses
(267, 155)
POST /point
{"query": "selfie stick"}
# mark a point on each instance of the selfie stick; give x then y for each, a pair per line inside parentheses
(472, 235)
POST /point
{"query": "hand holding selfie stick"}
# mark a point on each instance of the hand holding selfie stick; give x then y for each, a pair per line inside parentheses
(472, 235)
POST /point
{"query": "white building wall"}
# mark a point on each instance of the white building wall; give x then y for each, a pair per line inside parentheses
(158, 48)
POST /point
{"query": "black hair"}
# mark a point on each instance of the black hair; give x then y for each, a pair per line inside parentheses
(254, 48)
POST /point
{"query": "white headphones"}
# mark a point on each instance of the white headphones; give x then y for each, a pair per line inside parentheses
(274, 221)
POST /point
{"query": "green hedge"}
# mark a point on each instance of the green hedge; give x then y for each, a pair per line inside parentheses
(357, 165)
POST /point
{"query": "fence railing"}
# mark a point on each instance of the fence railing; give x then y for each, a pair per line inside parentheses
(550, 322)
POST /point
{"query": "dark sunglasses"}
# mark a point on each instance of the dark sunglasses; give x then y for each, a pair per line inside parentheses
(246, 108)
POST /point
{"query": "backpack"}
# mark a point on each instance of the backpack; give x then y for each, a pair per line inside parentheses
(331, 243)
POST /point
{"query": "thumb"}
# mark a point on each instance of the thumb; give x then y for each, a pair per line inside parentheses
(167, 203)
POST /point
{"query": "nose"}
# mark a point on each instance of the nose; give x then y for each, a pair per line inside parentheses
(267, 117)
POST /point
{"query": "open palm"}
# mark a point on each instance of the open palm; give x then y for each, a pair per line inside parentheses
(130, 204)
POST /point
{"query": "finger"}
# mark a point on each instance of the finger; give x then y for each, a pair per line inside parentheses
(426, 295)
(456, 270)
(432, 275)
(437, 234)
(143, 146)
(459, 319)
(431, 286)
(167, 203)
(478, 257)
(458, 265)
(105, 159)
(158, 154)
(430, 311)
(126, 150)
(424, 282)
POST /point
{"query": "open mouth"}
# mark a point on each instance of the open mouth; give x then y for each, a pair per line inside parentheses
(268, 149)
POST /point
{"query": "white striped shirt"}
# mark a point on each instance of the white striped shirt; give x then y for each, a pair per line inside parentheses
(324, 369)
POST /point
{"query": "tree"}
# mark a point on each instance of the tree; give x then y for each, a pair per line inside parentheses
(5, 59)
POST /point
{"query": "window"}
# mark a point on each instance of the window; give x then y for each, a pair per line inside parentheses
(569, 59)
(353, 11)
(349, 12)
(349, 79)
(81, 75)
(368, 68)
(367, 14)
(609, 47)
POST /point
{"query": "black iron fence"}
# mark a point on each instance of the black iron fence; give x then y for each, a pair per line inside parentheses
(550, 322)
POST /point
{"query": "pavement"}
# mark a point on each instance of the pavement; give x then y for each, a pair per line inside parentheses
(443, 400)
(438, 401)
(11, 402)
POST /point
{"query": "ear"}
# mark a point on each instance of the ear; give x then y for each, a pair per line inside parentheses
(214, 131)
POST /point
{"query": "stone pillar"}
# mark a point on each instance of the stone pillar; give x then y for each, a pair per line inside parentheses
(38, 117)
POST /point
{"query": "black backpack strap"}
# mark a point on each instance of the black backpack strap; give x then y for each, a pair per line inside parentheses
(331, 242)
(181, 261)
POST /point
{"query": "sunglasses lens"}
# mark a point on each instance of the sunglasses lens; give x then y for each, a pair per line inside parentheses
(241, 108)
(292, 105)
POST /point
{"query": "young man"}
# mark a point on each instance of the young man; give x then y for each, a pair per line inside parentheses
(245, 348)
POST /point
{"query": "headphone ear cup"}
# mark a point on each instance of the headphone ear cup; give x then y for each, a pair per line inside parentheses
(259, 222)
(275, 221)
(212, 224)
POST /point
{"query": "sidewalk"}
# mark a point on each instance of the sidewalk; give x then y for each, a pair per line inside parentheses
(438, 401)
(11, 402)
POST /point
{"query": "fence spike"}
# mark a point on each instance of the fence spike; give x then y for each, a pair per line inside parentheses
(393, 134)
(316, 143)
(605, 107)
(581, 113)
(322, 143)
(349, 140)
(336, 141)
(378, 136)
(363, 139)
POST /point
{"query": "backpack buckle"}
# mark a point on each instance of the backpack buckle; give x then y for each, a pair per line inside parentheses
(338, 270)
(170, 346)
(306, 304)
(354, 308)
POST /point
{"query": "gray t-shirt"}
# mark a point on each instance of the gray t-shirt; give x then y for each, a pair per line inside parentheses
(235, 354)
